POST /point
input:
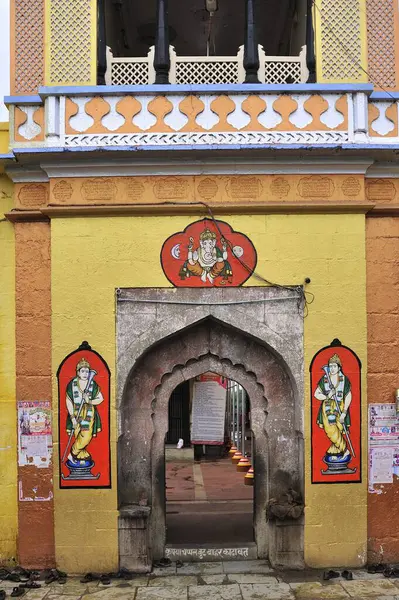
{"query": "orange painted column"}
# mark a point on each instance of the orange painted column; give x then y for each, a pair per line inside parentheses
(382, 248)
(33, 367)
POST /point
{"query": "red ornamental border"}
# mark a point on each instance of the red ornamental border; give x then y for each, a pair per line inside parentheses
(94, 470)
(336, 448)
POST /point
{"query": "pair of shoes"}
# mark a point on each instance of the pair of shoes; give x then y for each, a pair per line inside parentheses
(89, 577)
(105, 579)
(327, 575)
(348, 575)
(18, 591)
(375, 569)
(55, 575)
(163, 562)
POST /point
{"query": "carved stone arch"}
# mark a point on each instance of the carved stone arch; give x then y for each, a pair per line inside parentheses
(210, 344)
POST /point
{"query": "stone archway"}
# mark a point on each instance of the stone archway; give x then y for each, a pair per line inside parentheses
(207, 344)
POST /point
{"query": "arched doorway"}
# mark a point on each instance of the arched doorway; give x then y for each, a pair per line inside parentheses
(175, 350)
(209, 491)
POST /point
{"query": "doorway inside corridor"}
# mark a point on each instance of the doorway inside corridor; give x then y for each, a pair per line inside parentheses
(209, 473)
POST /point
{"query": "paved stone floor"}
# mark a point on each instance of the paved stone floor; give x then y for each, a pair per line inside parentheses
(236, 580)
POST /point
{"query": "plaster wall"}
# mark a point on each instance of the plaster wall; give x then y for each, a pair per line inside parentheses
(92, 257)
(383, 358)
(8, 438)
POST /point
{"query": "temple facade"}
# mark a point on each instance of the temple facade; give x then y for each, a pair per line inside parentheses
(207, 188)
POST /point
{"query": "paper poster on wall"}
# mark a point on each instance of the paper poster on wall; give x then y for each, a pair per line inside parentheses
(35, 443)
(381, 465)
(84, 428)
(209, 409)
(335, 374)
(383, 425)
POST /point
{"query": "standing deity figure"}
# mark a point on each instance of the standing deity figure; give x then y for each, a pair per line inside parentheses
(334, 393)
(207, 261)
(82, 398)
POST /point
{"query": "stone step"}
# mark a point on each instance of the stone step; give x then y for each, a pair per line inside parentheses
(211, 552)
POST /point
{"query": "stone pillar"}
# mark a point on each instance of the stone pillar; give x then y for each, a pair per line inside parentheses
(341, 44)
(133, 538)
(71, 42)
(33, 370)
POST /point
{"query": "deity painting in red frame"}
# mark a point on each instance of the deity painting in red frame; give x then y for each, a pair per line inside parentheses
(208, 253)
(335, 383)
(84, 420)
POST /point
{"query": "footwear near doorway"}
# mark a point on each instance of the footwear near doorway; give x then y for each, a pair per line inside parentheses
(209, 481)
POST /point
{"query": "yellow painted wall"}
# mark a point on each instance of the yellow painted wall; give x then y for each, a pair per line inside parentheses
(4, 138)
(93, 256)
(8, 416)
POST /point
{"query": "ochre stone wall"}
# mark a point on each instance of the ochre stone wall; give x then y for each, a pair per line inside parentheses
(33, 355)
(91, 257)
(383, 360)
(8, 418)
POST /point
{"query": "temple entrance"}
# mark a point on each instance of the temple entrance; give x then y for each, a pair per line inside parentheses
(162, 348)
(209, 473)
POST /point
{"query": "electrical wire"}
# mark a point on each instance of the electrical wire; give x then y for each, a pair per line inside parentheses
(305, 298)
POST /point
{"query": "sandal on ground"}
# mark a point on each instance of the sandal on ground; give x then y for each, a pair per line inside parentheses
(88, 578)
(375, 569)
(59, 574)
(327, 575)
(18, 591)
(50, 578)
(105, 580)
(30, 585)
(348, 575)
(2, 594)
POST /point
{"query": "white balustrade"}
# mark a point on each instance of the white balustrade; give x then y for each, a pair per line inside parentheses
(206, 69)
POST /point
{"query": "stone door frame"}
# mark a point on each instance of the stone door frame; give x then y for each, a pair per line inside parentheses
(165, 336)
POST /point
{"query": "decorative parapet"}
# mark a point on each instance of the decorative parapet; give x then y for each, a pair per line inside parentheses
(204, 116)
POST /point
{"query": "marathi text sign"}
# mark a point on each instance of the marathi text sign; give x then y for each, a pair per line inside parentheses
(209, 410)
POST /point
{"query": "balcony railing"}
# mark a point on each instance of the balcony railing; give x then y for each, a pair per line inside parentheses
(206, 69)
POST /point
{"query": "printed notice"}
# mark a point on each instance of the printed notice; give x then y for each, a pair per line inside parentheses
(34, 434)
(209, 410)
(383, 425)
(381, 461)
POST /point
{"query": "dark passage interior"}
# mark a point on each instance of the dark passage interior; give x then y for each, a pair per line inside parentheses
(209, 498)
(196, 31)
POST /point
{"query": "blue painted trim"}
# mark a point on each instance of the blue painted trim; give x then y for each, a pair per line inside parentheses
(8, 156)
(359, 147)
(115, 90)
(23, 100)
(384, 96)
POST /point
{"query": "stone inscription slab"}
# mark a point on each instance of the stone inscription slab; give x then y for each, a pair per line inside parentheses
(244, 188)
(171, 188)
(207, 189)
(315, 187)
(99, 190)
(380, 190)
(280, 187)
(351, 186)
(33, 194)
(206, 553)
(62, 191)
(134, 189)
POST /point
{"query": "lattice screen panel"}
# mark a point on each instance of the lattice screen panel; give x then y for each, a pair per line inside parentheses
(129, 73)
(71, 41)
(206, 72)
(28, 46)
(381, 42)
(340, 40)
(282, 72)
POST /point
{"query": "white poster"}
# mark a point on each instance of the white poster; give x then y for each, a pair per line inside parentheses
(209, 409)
(383, 425)
(34, 434)
(381, 460)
